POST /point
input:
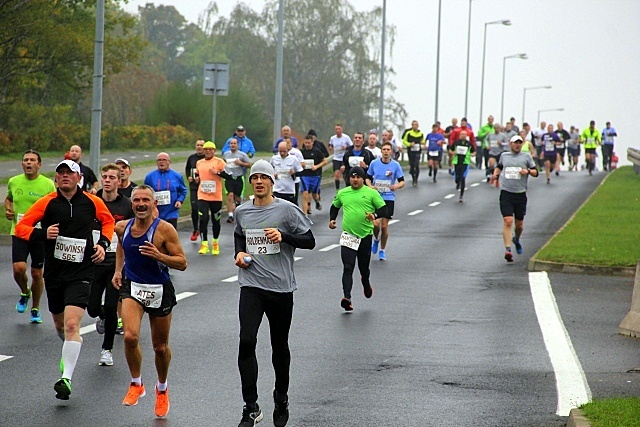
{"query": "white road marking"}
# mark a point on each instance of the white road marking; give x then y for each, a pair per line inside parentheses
(448, 196)
(434, 204)
(183, 295)
(571, 383)
(230, 279)
(87, 329)
(3, 357)
(475, 184)
(416, 212)
(393, 221)
(328, 248)
(297, 258)
(147, 155)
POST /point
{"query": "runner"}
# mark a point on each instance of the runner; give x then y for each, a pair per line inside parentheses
(237, 164)
(356, 155)
(448, 132)
(338, 144)
(550, 142)
(574, 149)
(608, 133)
(386, 176)
(126, 185)
(463, 149)
(209, 174)
(496, 143)
(413, 140)
(190, 173)
(67, 217)
(22, 192)
(147, 248)
(120, 208)
(482, 148)
(169, 188)
(265, 258)
(88, 180)
(517, 167)
(591, 138)
(372, 145)
(564, 137)
(435, 142)
(537, 142)
(311, 176)
(286, 167)
(362, 205)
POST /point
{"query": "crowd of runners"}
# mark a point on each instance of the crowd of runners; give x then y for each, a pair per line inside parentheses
(105, 245)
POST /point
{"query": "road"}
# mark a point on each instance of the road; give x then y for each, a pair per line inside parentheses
(450, 337)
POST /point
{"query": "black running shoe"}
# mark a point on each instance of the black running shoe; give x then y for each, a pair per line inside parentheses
(250, 417)
(280, 411)
(368, 290)
(346, 304)
(63, 389)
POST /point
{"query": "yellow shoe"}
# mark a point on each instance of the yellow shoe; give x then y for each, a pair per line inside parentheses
(216, 248)
(204, 248)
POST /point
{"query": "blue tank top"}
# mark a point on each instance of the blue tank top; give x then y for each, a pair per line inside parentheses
(140, 268)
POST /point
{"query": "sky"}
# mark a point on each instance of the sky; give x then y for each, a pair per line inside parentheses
(584, 49)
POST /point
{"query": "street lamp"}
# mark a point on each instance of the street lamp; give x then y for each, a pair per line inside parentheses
(484, 52)
(504, 65)
(384, 31)
(524, 96)
(466, 85)
(546, 110)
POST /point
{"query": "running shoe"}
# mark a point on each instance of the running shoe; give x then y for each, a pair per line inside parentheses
(204, 248)
(21, 306)
(461, 200)
(194, 235)
(106, 358)
(230, 220)
(62, 388)
(100, 326)
(374, 246)
(250, 417)
(136, 391)
(318, 205)
(346, 304)
(162, 403)
(548, 181)
(120, 327)
(368, 290)
(430, 172)
(434, 179)
(35, 316)
(280, 411)
(382, 256)
(517, 245)
(216, 248)
(508, 256)
(558, 173)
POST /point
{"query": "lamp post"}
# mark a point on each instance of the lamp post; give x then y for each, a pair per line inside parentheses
(546, 110)
(466, 86)
(277, 111)
(484, 52)
(504, 65)
(524, 96)
(384, 31)
(435, 114)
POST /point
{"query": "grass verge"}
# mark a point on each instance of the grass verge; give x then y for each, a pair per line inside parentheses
(613, 412)
(604, 232)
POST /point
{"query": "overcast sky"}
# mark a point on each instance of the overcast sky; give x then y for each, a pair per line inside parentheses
(584, 49)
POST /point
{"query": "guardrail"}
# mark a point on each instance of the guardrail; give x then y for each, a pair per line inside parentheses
(633, 155)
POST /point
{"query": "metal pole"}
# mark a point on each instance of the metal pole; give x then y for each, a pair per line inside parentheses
(435, 115)
(504, 65)
(538, 122)
(384, 32)
(484, 53)
(277, 114)
(215, 104)
(524, 99)
(96, 108)
(466, 86)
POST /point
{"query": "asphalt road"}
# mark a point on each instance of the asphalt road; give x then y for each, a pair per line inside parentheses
(450, 337)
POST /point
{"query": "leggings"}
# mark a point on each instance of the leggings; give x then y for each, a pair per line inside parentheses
(278, 307)
(414, 163)
(102, 276)
(460, 175)
(349, 257)
(204, 206)
(193, 196)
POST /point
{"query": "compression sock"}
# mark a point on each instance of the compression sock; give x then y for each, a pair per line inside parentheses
(70, 353)
(137, 380)
(162, 386)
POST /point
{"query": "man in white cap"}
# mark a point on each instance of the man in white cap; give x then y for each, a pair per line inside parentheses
(126, 185)
(265, 258)
(67, 217)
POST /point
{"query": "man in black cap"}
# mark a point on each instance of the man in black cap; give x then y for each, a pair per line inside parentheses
(363, 205)
(244, 143)
(318, 144)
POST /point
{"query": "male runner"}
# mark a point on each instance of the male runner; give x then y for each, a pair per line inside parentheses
(463, 149)
(608, 134)
(435, 142)
(550, 142)
(592, 139)
(169, 188)
(311, 176)
(338, 144)
(190, 172)
(237, 164)
(413, 140)
(126, 185)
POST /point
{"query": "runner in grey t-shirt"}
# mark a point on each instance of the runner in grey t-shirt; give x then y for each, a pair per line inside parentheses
(514, 168)
(267, 233)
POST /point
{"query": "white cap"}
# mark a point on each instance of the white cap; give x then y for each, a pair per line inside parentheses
(515, 138)
(263, 167)
(73, 166)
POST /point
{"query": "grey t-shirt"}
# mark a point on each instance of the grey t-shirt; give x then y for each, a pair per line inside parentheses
(232, 168)
(269, 271)
(497, 143)
(510, 165)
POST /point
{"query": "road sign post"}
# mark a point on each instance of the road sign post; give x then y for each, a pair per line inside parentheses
(216, 83)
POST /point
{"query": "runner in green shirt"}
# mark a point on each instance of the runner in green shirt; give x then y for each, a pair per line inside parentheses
(362, 205)
(591, 138)
(23, 191)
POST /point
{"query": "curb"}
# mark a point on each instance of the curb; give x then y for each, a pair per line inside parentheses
(577, 419)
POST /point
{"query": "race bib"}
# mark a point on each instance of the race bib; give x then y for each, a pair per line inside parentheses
(308, 163)
(208, 186)
(148, 295)
(233, 163)
(69, 249)
(512, 172)
(163, 197)
(549, 146)
(462, 150)
(591, 140)
(561, 145)
(114, 240)
(434, 153)
(355, 161)
(258, 243)
(283, 173)
(19, 218)
(349, 241)
(382, 185)
(415, 147)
